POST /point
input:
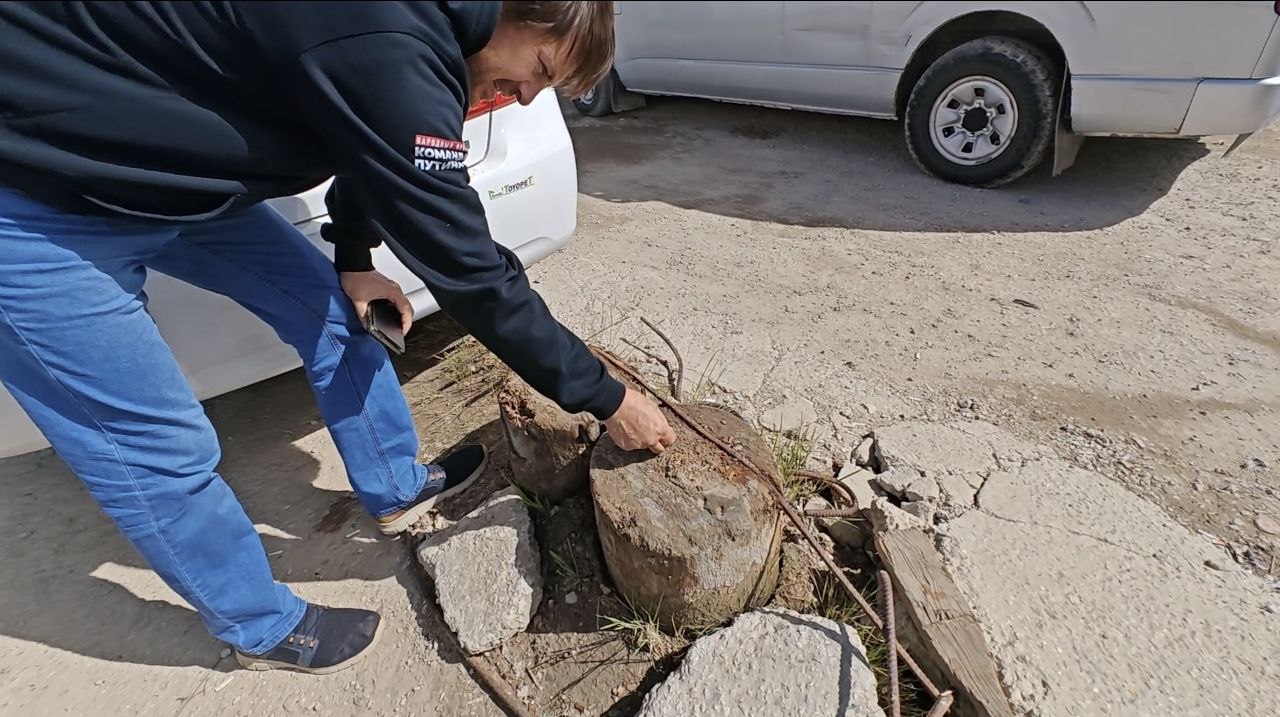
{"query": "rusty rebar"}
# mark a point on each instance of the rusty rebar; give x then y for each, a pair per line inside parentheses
(942, 705)
(780, 497)
(837, 487)
(508, 701)
(833, 513)
(891, 640)
(678, 385)
(666, 365)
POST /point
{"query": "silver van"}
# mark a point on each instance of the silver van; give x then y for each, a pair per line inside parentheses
(986, 90)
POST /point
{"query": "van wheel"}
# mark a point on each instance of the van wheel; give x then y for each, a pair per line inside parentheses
(598, 101)
(983, 114)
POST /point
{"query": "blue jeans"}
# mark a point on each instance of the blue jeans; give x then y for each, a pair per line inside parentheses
(84, 359)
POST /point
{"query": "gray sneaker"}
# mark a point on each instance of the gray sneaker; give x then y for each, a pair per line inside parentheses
(452, 475)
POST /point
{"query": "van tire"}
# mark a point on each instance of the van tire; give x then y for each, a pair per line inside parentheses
(1032, 80)
(598, 102)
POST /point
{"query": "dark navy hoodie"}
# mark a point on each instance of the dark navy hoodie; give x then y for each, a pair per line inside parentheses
(184, 111)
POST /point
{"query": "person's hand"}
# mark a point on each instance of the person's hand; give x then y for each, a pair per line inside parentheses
(639, 424)
(365, 286)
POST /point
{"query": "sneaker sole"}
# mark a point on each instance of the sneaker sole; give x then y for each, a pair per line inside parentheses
(258, 664)
(411, 516)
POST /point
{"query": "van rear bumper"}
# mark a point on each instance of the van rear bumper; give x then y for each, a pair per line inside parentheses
(1232, 107)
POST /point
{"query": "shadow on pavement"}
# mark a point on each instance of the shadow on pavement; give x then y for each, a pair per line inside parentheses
(70, 578)
(807, 169)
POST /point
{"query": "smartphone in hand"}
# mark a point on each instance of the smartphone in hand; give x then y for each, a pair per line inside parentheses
(383, 322)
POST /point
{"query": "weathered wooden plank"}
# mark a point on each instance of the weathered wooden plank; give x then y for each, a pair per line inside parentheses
(951, 639)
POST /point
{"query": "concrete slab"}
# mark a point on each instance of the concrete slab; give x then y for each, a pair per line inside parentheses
(1112, 609)
(970, 447)
(771, 662)
(487, 573)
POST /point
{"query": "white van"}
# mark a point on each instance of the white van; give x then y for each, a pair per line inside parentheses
(985, 89)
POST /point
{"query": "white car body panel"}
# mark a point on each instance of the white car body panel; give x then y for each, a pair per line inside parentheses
(524, 169)
(1136, 68)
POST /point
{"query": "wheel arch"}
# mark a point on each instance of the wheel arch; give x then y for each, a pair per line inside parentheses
(1025, 23)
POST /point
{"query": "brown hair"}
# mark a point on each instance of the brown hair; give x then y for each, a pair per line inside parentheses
(583, 27)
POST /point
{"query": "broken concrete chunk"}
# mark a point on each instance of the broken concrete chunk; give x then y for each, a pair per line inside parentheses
(886, 516)
(1267, 524)
(862, 454)
(895, 482)
(744, 670)
(1060, 561)
(816, 502)
(550, 449)
(908, 484)
(920, 509)
(957, 496)
(923, 488)
(684, 539)
(859, 482)
(849, 532)
(957, 491)
(486, 572)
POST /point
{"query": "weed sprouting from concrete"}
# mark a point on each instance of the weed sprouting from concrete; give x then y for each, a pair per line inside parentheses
(791, 451)
(459, 360)
(610, 327)
(700, 631)
(708, 381)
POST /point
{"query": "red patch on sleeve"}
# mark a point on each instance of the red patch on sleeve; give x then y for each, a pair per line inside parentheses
(426, 140)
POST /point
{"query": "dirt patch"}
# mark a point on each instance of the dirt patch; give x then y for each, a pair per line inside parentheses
(756, 131)
(341, 510)
(1234, 326)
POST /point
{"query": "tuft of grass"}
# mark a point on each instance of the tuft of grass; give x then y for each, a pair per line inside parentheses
(639, 626)
(643, 631)
(708, 381)
(469, 364)
(835, 604)
(700, 631)
(532, 501)
(459, 360)
(609, 327)
(567, 569)
(791, 451)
